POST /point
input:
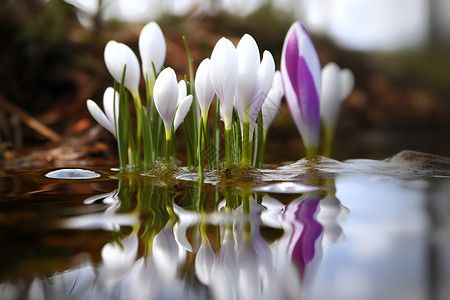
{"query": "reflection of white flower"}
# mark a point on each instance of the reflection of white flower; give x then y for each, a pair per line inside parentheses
(186, 219)
(255, 258)
(204, 261)
(224, 283)
(167, 253)
(145, 280)
(118, 259)
(331, 213)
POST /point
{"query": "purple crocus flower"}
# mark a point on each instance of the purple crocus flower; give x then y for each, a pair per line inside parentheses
(301, 76)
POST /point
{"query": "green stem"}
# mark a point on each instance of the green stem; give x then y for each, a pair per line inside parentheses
(201, 150)
(168, 145)
(131, 158)
(189, 57)
(311, 151)
(260, 149)
(207, 141)
(216, 134)
(174, 147)
(138, 108)
(228, 147)
(246, 145)
(329, 139)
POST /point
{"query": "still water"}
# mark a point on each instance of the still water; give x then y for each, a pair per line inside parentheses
(322, 229)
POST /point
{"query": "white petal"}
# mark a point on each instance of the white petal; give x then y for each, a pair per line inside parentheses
(182, 90)
(108, 103)
(165, 94)
(248, 59)
(182, 110)
(347, 83)
(265, 78)
(117, 55)
(224, 70)
(99, 116)
(203, 86)
(266, 72)
(152, 48)
(330, 102)
(272, 104)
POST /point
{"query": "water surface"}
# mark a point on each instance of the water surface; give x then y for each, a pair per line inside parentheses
(322, 229)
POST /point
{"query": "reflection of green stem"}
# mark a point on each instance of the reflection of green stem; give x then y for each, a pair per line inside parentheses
(329, 138)
(246, 209)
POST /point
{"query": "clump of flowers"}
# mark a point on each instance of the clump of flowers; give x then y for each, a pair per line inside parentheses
(247, 92)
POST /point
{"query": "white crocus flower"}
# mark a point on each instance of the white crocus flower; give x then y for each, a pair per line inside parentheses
(255, 80)
(337, 84)
(167, 94)
(223, 72)
(203, 87)
(152, 48)
(106, 119)
(272, 103)
(266, 72)
(182, 110)
(182, 90)
(117, 56)
(347, 82)
(249, 60)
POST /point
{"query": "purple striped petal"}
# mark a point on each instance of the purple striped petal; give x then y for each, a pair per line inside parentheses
(300, 71)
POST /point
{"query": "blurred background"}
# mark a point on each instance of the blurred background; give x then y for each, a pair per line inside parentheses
(51, 62)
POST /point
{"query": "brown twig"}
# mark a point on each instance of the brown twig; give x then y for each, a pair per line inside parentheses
(32, 122)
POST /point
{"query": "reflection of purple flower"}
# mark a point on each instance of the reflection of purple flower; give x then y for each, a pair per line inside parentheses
(306, 230)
